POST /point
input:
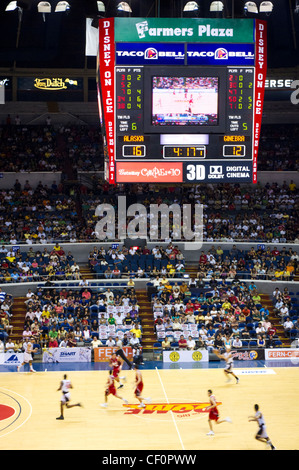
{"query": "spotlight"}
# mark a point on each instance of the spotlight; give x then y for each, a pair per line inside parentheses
(191, 9)
(216, 6)
(101, 7)
(11, 6)
(266, 7)
(251, 8)
(123, 9)
(62, 7)
(44, 7)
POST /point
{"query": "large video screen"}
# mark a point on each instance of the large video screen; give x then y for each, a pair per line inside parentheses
(185, 101)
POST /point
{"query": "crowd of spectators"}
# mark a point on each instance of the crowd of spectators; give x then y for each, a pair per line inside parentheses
(286, 309)
(67, 213)
(278, 148)
(28, 148)
(214, 314)
(6, 314)
(44, 147)
(37, 265)
(120, 262)
(83, 316)
(261, 263)
(39, 215)
(231, 212)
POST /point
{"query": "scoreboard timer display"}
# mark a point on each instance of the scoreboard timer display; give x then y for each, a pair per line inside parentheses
(181, 100)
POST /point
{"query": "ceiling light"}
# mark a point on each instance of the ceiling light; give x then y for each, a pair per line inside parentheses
(191, 6)
(216, 6)
(250, 7)
(101, 7)
(191, 9)
(266, 7)
(62, 6)
(124, 6)
(11, 6)
(44, 7)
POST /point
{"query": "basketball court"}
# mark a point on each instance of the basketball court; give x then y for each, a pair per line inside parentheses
(174, 420)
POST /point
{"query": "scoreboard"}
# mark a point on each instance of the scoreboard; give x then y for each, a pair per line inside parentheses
(181, 100)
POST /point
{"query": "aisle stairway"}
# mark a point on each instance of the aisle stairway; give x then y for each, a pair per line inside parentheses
(147, 320)
(85, 272)
(191, 269)
(18, 318)
(266, 302)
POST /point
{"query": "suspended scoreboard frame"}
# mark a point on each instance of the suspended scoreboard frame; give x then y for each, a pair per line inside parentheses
(181, 100)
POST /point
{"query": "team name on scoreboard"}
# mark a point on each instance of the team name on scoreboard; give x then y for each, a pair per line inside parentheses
(133, 138)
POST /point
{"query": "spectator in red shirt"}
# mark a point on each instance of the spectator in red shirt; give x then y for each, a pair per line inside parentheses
(182, 342)
(53, 343)
(86, 294)
(246, 311)
(203, 258)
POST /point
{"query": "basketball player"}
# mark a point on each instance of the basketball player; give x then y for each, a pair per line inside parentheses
(262, 434)
(139, 387)
(116, 364)
(28, 350)
(65, 386)
(111, 390)
(228, 358)
(120, 353)
(214, 413)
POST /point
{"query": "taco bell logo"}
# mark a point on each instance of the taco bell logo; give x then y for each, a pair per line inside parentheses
(142, 27)
(221, 53)
(151, 53)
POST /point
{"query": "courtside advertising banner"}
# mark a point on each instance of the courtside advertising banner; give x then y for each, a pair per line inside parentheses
(104, 354)
(77, 354)
(11, 358)
(200, 355)
(282, 355)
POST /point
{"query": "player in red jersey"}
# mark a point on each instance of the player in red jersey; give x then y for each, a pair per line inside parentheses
(214, 413)
(111, 390)
(139, 385)
(116, 364)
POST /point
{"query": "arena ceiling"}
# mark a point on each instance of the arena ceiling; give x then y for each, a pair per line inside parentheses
(57, 40)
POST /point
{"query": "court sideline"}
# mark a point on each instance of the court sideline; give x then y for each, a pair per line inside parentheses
(174, 420)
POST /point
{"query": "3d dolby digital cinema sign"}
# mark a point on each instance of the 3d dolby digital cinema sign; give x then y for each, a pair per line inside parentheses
(181, 100)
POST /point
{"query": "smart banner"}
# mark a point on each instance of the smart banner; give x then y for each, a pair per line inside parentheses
(57, 355)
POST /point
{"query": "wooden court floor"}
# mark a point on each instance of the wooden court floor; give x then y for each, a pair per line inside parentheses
(174, 420)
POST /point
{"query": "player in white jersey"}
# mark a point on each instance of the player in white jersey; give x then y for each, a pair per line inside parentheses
(28, 350)
(262, 434)
(65, 386)
(229, 361)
